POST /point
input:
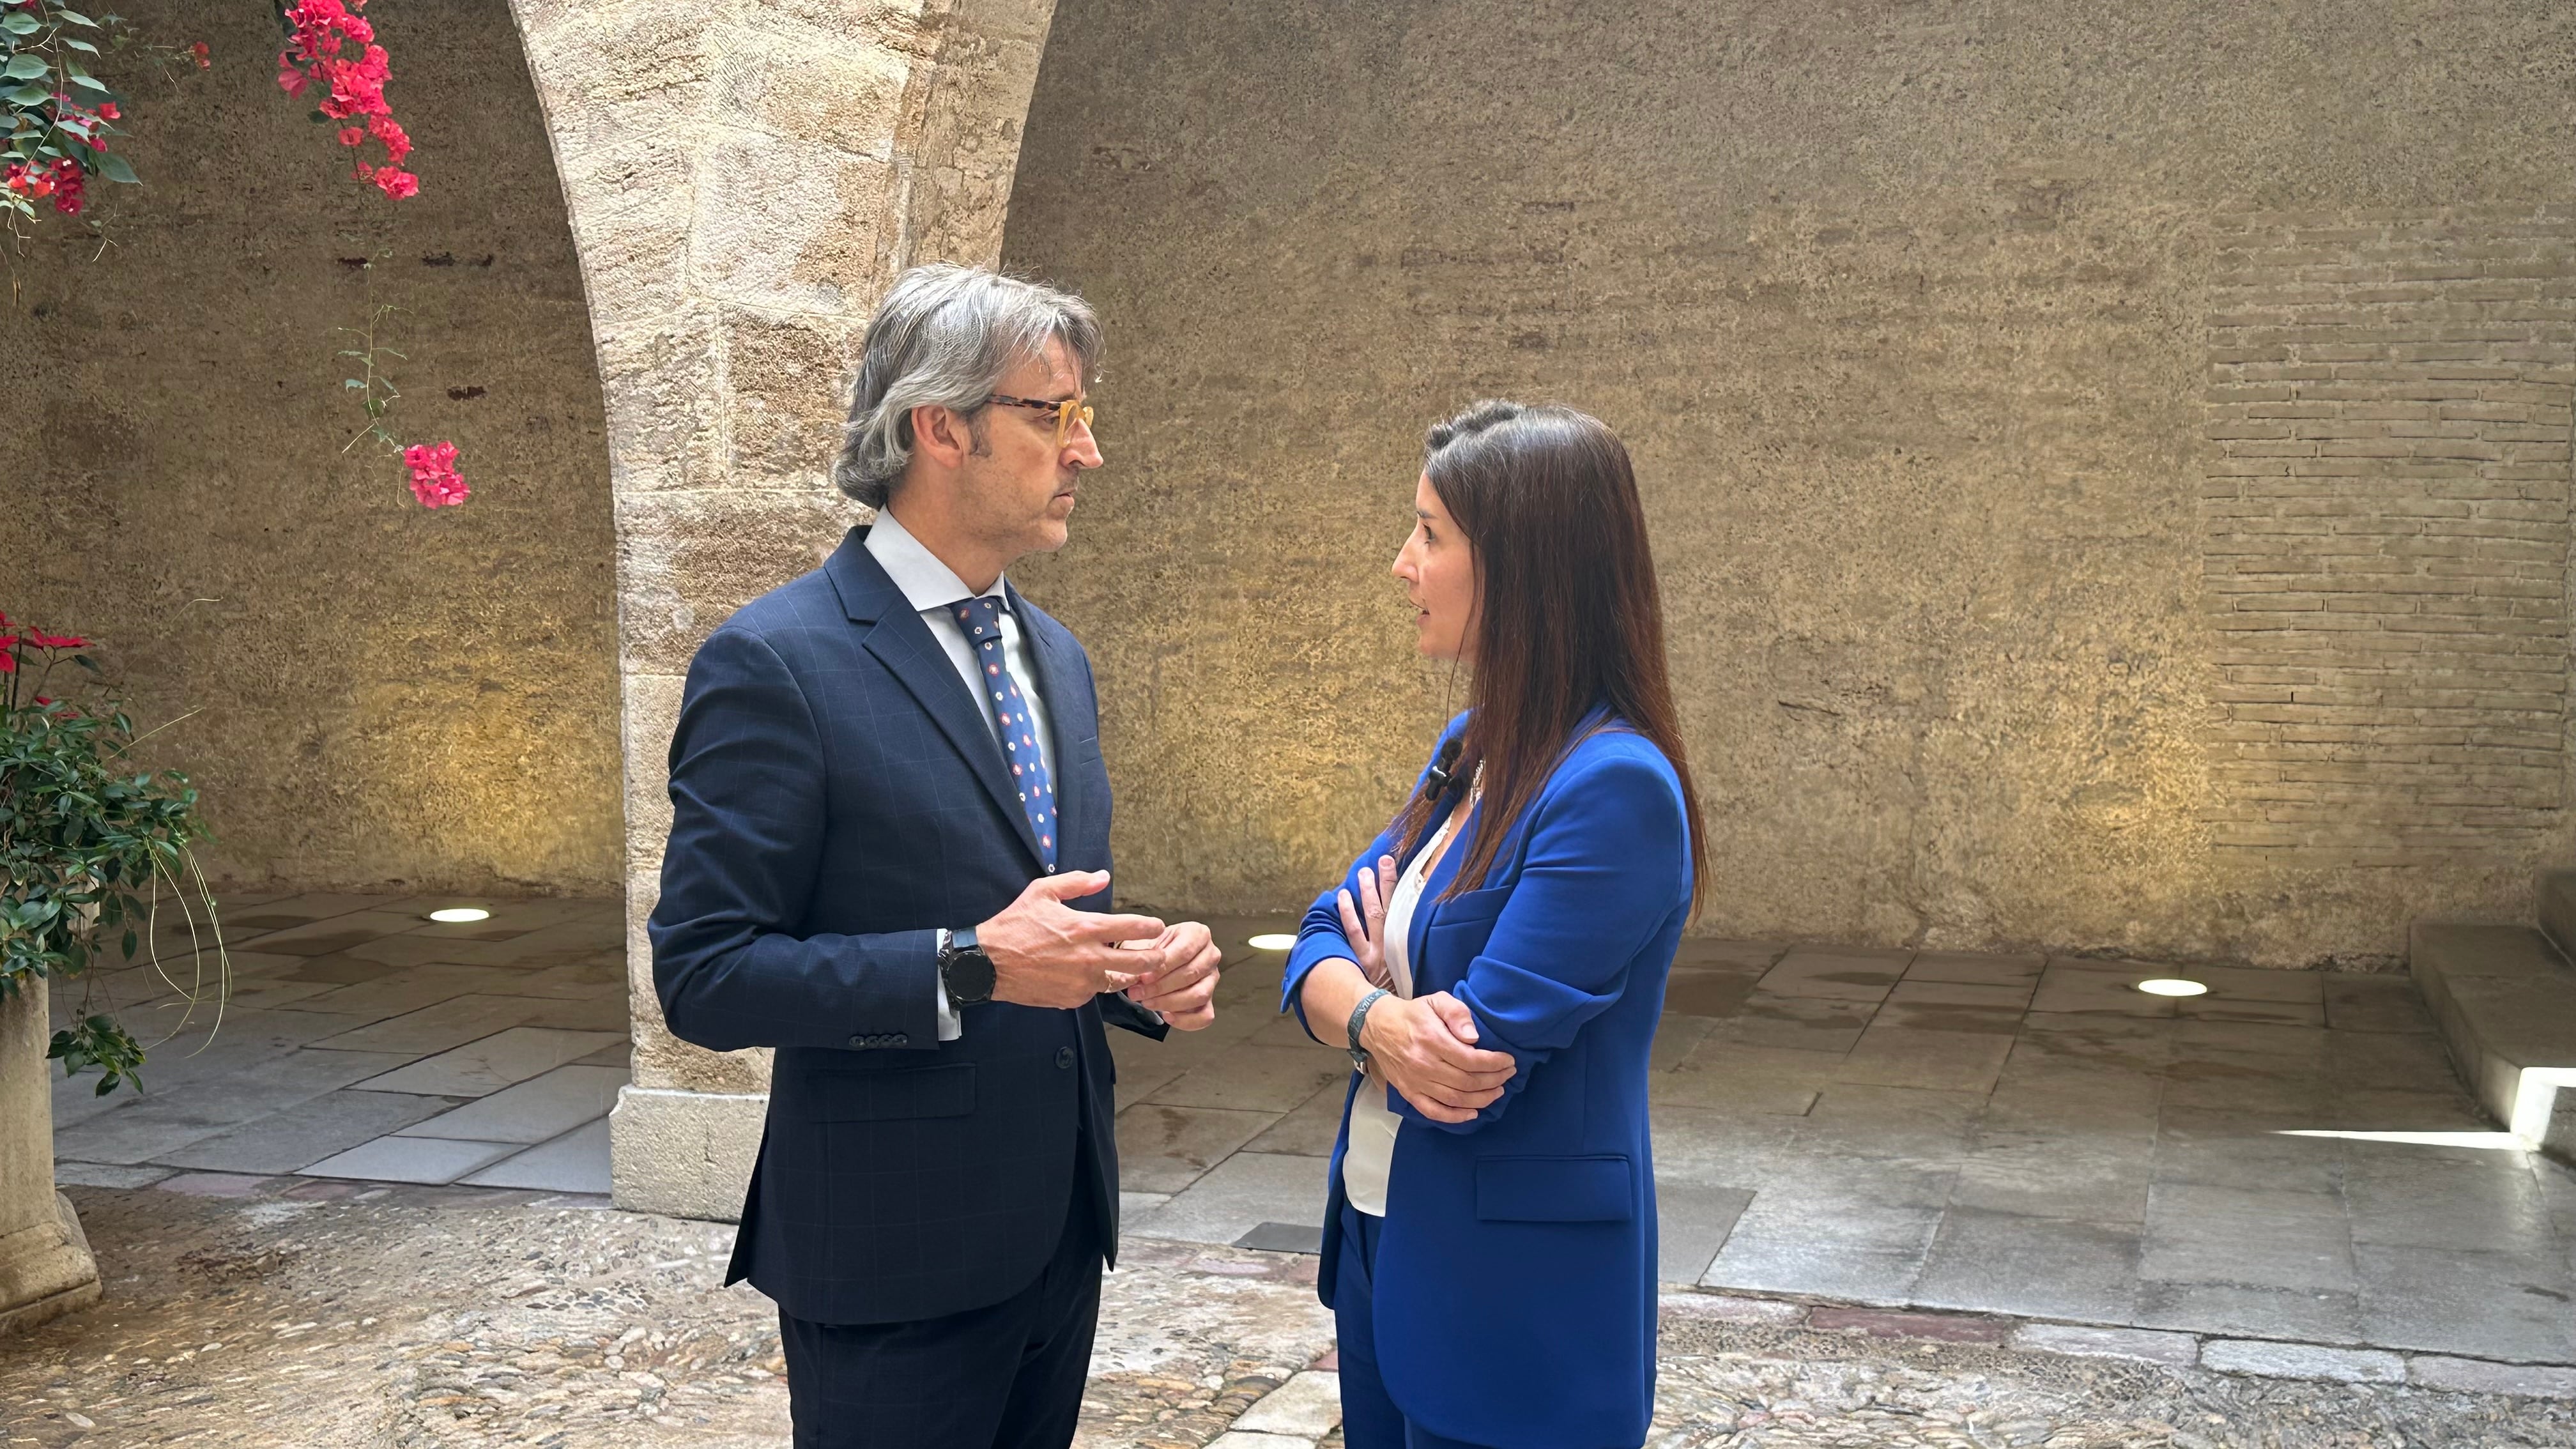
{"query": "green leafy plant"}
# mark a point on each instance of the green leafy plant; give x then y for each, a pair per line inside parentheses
(94, 854)
(55, 116)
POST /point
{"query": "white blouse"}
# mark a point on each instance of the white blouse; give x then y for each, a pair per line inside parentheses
(1371, 1153)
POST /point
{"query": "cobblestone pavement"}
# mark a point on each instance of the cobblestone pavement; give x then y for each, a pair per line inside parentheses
(291, 1312)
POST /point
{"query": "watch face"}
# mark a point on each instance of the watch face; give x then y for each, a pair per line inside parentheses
(969, 976)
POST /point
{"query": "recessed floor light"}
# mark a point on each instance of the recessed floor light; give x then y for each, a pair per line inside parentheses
(459, 915)
(1273, 942)
(2173, 986)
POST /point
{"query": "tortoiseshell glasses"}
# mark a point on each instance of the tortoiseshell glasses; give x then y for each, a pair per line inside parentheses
(1068, 411)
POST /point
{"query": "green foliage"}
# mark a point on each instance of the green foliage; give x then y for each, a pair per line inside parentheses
(94, 853)
(99, 1041)
(56, 117)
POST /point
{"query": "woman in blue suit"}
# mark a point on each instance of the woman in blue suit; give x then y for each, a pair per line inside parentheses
(1495, 963)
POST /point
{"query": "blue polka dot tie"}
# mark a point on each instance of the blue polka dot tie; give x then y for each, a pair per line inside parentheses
(981, 618)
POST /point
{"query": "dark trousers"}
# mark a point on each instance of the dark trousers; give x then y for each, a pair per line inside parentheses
(1007, 1376)
(1370, 1419)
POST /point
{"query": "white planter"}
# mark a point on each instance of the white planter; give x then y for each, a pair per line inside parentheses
(45, 1263)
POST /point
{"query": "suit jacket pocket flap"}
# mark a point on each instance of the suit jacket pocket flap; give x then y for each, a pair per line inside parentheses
(1554, 1190)
(947, 1091)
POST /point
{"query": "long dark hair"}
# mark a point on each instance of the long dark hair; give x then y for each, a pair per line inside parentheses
(1568, 617)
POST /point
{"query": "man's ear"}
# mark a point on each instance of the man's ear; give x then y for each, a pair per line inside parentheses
(941, 434)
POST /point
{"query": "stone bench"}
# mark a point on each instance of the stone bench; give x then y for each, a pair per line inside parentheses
(2505, 998)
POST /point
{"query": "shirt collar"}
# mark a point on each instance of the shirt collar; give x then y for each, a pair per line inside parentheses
(926, 582)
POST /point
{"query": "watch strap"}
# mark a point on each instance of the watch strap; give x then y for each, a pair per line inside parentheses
(1359, 1017)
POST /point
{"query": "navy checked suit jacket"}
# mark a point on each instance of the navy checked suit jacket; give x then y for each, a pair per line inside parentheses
(837, 795)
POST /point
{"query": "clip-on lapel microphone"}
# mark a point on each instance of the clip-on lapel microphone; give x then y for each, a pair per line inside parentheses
(1442, 782)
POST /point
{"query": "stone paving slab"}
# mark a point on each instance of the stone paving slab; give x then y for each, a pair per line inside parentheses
(1693, 1221)
(139, 1128)
(575, 1162)
(1164, 1148)
(2039, 1267)
(1238, 1195)
(2316, 1315)
(411, 1159)
(439, 1027)
(2511, 1305)
(2477, 1376)
(1836, 973)
(1271, 1079)
(536, 1110)
(101, 1174)
(2303, 1361)
(1977, 968)
(1310, 1130)
(490, 1063)
(1308, 1406)
(289, 1140)
(2145, 1345)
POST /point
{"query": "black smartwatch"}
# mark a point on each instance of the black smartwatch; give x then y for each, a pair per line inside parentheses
(965, 970)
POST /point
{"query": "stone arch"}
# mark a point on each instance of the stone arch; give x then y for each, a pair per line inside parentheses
(743, 183)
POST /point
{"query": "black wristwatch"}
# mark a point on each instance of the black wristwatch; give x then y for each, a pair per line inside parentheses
(964, 969)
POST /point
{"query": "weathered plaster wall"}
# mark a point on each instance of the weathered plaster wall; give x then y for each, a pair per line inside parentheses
(1962, 350)
(385, 695)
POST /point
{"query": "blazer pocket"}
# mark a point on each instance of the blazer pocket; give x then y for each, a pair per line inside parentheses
(947, 1091)
(1474, 906)
(1554, 1190)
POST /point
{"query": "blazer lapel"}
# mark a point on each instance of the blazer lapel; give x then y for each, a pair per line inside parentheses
(1072, 714)
(903, 643)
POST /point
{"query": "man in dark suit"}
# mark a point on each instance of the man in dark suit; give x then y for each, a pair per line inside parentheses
(889, 860)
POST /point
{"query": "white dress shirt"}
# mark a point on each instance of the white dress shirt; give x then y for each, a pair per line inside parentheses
(934, 589)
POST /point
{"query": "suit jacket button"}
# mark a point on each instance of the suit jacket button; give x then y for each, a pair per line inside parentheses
(1064, 1058)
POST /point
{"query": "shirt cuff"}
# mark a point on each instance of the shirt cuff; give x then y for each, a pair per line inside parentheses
(950, 1028)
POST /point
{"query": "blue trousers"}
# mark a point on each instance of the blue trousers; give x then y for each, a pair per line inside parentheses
(1370, 1419)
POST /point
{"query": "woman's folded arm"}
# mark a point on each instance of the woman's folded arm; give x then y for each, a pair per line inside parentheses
(1607, 865)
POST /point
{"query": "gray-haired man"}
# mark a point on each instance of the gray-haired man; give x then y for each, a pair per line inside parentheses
(889, 860)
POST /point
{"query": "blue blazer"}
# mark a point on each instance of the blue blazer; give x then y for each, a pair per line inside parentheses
(837, 795)
(1515, 1278)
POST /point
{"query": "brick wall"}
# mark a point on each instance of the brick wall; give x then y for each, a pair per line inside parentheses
(2386, 531)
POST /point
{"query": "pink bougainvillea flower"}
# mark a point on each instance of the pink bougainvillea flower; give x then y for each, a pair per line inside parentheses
(397, 184)
(352, 136)
(397, 141)
(69, 180)
(204, 54)
(43, 640)
(8, 662)
(434, 479)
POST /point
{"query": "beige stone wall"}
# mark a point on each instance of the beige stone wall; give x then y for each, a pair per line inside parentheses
(1962, 351)
(385, 695)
